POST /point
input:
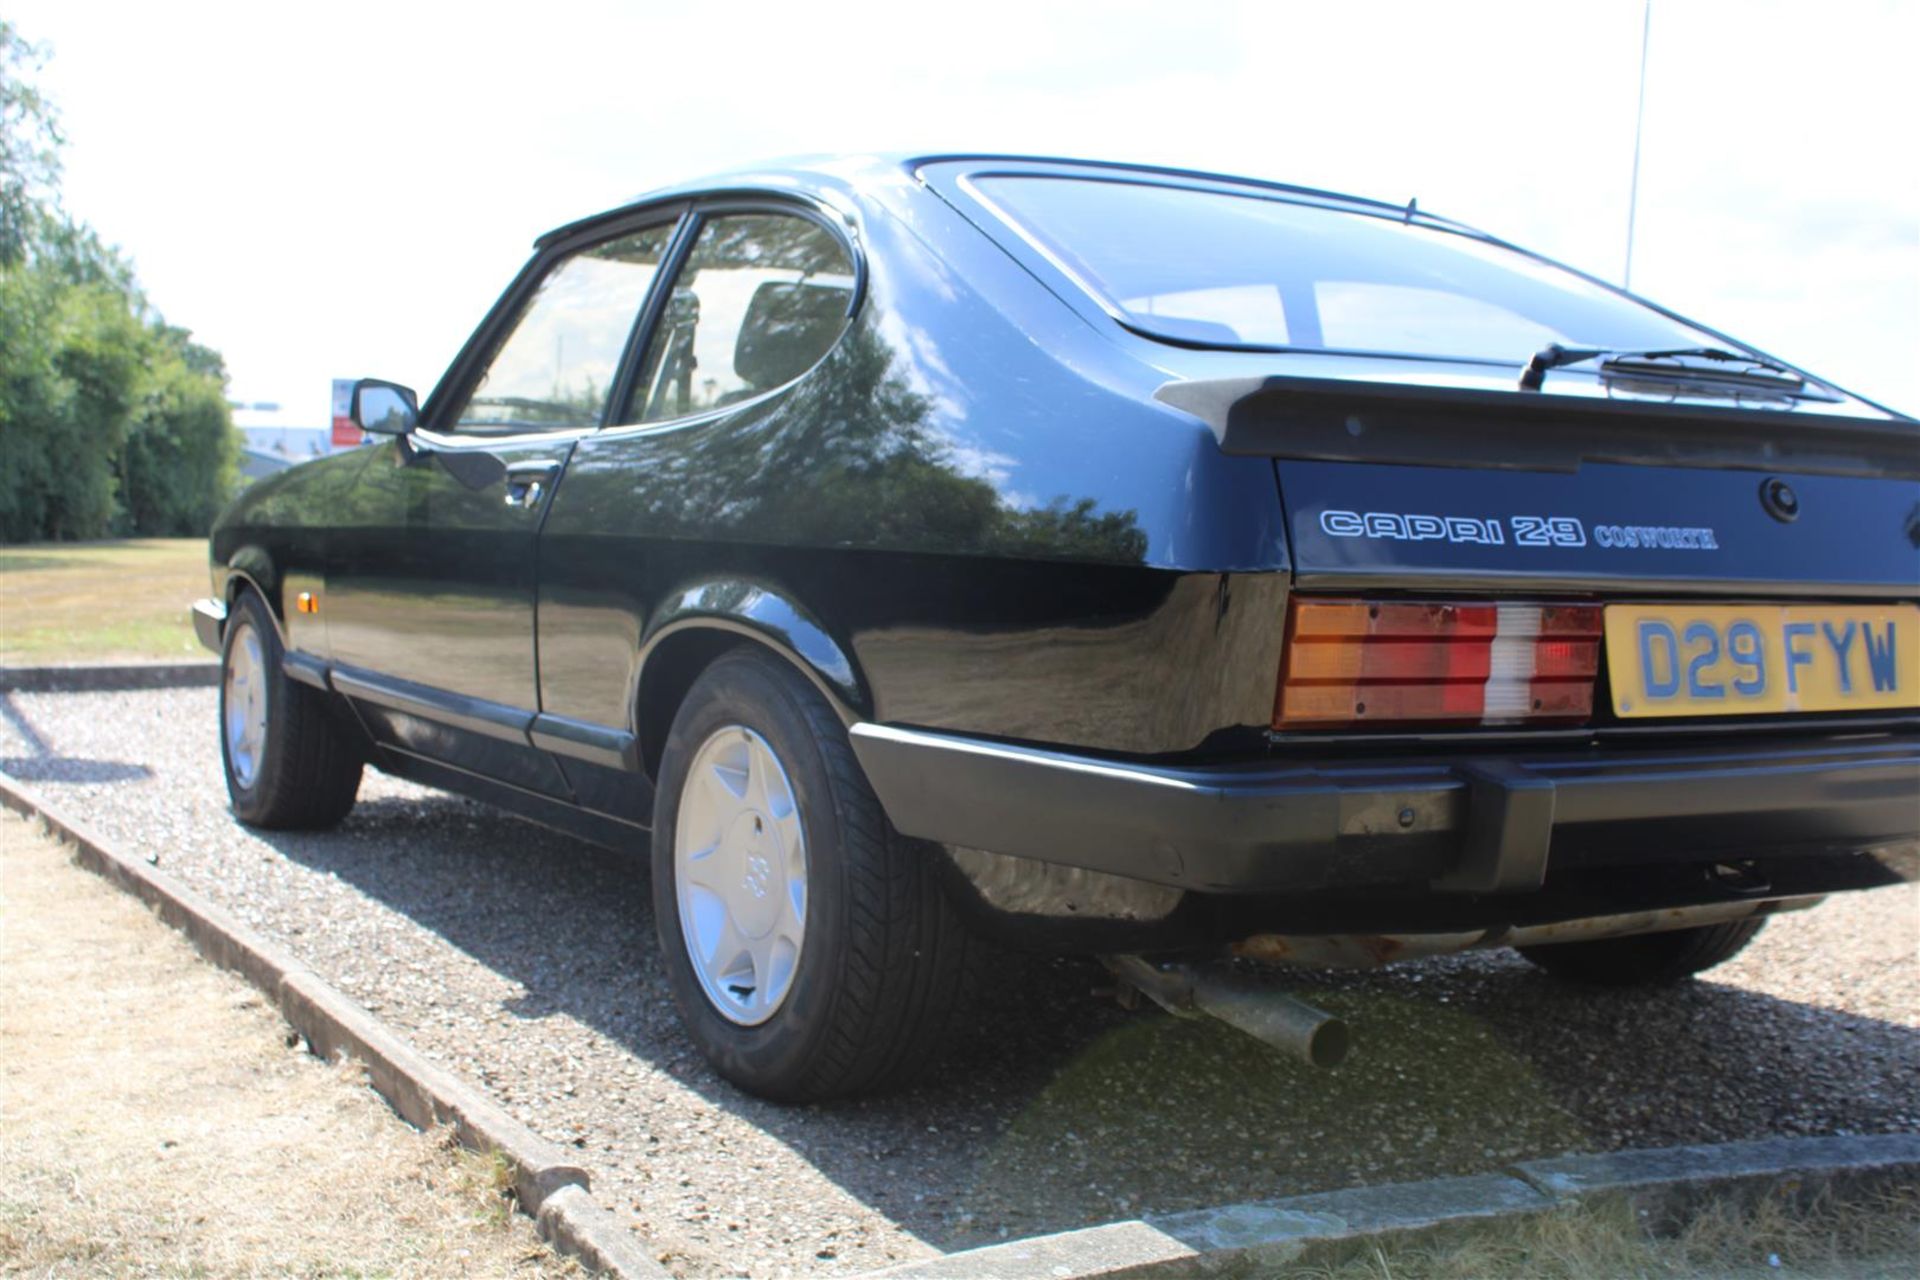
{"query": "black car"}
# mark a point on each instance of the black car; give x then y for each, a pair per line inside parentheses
(1102, 558)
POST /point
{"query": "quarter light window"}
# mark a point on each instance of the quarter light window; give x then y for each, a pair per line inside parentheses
(555, 371)
(761, 298)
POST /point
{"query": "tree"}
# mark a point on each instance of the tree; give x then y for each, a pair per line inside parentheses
(29, 145)
(177, 466)
(111, 419)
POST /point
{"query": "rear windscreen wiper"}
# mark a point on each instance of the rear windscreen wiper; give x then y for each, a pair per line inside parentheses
(1708, 369)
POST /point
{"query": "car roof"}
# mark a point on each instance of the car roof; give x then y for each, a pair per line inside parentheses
(818, 174)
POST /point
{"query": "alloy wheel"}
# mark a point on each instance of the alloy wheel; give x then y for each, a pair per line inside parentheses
(740, 871)
(245, 705)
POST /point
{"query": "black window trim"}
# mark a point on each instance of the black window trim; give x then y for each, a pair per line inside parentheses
(635, 351)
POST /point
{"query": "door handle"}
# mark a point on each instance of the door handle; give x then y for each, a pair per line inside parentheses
(527, 483)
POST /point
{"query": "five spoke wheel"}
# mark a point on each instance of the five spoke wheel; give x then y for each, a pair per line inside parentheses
(810, 949)
(245, 707)
(740, 865)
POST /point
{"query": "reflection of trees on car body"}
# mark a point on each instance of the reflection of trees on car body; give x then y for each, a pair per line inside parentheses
(848, 458)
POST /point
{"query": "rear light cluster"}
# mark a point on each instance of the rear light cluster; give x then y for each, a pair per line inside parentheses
(1364, 662)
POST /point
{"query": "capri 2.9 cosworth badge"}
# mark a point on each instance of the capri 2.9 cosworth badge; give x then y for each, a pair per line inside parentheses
(1521, 531)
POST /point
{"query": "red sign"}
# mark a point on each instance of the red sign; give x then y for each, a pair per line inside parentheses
(345, 434)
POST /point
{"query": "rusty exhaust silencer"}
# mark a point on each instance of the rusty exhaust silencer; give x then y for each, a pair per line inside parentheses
(1292, 1026)
(1375, 951)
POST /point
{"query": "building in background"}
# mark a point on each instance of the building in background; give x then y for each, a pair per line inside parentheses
(273, 440)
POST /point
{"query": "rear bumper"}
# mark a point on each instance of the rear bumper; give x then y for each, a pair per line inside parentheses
(1469, 823)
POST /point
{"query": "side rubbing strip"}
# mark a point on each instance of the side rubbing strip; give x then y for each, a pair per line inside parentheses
(305, 668)
(583, 740)
(475, 715)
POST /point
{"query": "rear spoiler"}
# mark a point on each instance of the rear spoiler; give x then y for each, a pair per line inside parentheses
(1338, 420)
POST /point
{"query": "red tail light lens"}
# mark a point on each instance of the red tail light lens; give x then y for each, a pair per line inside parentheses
(1364, 662)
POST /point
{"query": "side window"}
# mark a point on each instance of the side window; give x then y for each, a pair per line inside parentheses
(555, 370)
(761, 298)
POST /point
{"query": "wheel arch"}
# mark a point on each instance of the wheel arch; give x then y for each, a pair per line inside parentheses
(701, 621)
(251, 568)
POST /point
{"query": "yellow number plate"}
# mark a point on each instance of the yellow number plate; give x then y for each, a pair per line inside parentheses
(1723, 660)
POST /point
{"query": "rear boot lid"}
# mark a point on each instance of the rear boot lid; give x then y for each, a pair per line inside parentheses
(1391, 485)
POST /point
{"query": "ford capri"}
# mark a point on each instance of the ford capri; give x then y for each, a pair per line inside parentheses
(908, 555)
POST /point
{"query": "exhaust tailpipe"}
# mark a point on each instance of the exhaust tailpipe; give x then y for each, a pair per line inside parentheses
(1292, 1026)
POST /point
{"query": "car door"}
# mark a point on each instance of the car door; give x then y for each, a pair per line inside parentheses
(431, 578)
(760, 294)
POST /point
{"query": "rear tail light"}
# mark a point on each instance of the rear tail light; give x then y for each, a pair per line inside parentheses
(1363, 662)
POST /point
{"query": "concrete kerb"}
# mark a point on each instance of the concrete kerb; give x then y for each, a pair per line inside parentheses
(551, 1188)
(110, 678)
(1261, 1236)
(1668, 1184)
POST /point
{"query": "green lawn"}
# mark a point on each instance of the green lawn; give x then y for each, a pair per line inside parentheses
(73, 602)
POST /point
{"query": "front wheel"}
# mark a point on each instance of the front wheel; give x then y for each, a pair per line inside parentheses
(810, 950)
(289, 763)
(1645, 959)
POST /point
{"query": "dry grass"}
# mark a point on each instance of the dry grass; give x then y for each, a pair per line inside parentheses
(100, 601)
(1878, 1236)
(156, 1121)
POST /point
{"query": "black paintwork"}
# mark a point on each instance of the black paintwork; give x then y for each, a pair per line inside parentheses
(991, 510)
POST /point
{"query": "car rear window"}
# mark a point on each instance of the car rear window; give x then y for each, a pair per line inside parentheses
(1214, 268)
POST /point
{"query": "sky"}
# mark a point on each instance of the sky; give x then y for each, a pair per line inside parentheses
(341, 190)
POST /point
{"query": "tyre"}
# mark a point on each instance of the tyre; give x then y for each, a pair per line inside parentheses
(809, 949)
(1644, 959)
(289, 763)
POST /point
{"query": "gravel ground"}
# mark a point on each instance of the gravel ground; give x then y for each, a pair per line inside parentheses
(525, 961)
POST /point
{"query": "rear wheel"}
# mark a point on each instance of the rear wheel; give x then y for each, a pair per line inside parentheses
(1645, 959)
(289, 764)
(809, 948)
